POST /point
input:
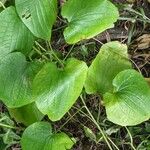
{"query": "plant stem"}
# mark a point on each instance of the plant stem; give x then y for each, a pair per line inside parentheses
(99, 112)
(70, 118)
(95, 39)
(42, 48)
(113, 143)
(3, 118)
(6, 126)
(59, 28)
(68, 53)
(51, 49)
(40, 53)
(127, 18)
(139, 14)
(80, 110)
(133, 19)
(94, 121)
(131, 139)
(2, 5)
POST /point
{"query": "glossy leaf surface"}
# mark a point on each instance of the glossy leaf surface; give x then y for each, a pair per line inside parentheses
(14, 35)
(87, 18)
(111, 59)
(56, 90)
(38, 15)
(130, 101)
(16, 75)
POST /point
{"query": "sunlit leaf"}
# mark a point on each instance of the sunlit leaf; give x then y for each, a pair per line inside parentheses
(130, 101)
(56, 89)
(14, 35)
(38, 15)
(39, 136)
(111, 59)
(16, 75)
(87, 18)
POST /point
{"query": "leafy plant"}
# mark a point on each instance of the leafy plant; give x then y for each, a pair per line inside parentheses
(130, 99)
(34, 87)
(38, 16)
(56, 90)
(16, 77)
(125, 92)
(27, 114)
(39, 136)
(111, 59)
(87, 18)
(14, 35)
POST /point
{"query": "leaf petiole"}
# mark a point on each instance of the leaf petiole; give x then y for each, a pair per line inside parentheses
(2, 5)
(95, 122)
(7, 126)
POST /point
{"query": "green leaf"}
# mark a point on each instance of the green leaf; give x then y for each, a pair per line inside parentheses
(27, 114)
(16, 75)
(14, 35)
(39, 136)
(89, 133)
(88, 18)
(111, 59)
(38, 15)
(55, 90)
(130, 101)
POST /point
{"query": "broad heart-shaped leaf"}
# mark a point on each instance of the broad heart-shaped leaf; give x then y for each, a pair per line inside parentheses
(56, 90)
(111, 59)
(87, 18)
(16, 76)
(14, 35)
(129, 104)
(27, 114)
(39, 136)
(38, 15)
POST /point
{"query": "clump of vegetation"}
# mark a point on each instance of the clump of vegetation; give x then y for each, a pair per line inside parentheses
(43, 74)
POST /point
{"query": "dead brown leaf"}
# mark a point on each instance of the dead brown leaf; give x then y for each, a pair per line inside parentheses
(143, 42)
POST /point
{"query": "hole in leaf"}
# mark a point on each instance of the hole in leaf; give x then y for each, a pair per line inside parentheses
(26, 15)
